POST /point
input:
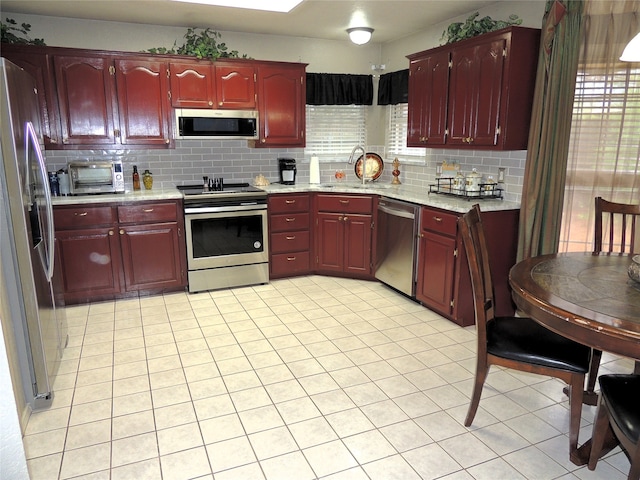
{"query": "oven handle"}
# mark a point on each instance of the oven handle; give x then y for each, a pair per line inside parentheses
(228, 208)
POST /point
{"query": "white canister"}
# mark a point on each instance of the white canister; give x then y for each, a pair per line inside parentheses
(63, 181)
(314, 170)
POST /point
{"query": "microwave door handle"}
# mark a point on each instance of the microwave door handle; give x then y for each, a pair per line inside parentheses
(32, 141)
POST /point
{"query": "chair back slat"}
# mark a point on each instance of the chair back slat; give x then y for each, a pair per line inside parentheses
(475, 244)
(618, 222)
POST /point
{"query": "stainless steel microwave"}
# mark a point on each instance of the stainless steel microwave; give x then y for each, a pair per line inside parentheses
(95, 177)
(203, 124)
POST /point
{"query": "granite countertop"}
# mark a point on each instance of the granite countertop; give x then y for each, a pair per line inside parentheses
(128, 196)
(407, 193)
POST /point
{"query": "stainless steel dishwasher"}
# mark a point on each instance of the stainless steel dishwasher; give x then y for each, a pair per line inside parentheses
(396, 244)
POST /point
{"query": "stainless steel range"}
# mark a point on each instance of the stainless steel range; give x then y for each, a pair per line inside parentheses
(227, 238)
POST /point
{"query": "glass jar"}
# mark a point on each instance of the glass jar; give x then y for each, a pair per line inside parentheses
(147, 179)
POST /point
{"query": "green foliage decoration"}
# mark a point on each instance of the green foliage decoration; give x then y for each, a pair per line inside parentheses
(203, 44)
(11, 30)
(460, 31)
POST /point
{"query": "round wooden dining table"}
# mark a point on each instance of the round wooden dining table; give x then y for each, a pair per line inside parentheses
(587, 297)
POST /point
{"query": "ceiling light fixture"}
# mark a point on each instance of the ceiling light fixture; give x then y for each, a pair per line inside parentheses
(282, 6)
(360, 35)
(631, 52)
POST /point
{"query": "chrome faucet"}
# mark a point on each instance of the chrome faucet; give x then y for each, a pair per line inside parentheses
(364, 160)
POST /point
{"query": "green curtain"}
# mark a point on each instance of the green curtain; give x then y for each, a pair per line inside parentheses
(546, 165)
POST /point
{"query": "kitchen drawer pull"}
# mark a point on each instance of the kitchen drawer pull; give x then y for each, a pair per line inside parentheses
(83, 214)
(110, 232)
(291, 259)
(438, 219)
(290, 219)
(121, 232)
(344, 202)
(292, 237)
(147, 210)
(289, 201)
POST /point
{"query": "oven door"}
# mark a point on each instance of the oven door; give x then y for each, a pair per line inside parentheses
(223, 237)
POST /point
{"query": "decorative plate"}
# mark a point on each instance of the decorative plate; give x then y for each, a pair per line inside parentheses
(375, 166)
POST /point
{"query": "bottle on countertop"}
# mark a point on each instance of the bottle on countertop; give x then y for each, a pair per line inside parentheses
(136, 178)
(147, 179)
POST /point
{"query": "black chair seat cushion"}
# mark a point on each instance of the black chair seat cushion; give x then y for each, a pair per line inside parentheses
(524, 340)
(622, 395)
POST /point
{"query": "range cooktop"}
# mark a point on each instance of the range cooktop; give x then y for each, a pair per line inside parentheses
(231, 194)
(228, 188)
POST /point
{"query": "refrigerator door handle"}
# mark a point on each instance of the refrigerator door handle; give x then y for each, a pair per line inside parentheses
(33, 142)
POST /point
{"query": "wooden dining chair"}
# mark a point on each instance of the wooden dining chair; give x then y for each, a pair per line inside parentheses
(514, 342)
(618, 413)
(615, 224)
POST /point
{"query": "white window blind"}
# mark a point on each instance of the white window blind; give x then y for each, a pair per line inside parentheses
(333, 130)
(396, 141)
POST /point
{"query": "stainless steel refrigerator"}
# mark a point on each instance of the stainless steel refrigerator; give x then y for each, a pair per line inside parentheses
(27, 239)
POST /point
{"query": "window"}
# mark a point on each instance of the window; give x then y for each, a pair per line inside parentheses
(396, 141)
(333, 130)
(604, 151)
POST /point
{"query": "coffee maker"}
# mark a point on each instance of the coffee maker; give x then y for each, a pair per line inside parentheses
(287, 167)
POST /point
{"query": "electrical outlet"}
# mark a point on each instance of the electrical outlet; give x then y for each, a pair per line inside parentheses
(501, 171)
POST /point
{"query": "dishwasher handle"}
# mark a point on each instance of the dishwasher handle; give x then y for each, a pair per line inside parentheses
(396, 212)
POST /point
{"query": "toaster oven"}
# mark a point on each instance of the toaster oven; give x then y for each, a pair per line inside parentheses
(87, 177)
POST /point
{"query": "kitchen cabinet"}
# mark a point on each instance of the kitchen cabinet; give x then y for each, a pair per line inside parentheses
(192, 84)
(38, 63)
(105, 100)
(281, 104)
(289, 235)
(344, 233)
(428, 86)
(443, 280)
(484, 101)
(235, 84)
(222, 84)
(108, 251)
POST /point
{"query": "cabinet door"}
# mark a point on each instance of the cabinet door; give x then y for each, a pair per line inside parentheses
(192, 85)
(474, 95)
(40, 67)
(330, 242)
(86, 99)
(435, 271)
(357, 241)
(428, 88)
(235, 85)
(281, 103)
(90, 262)
(151, 256)
(143, 101)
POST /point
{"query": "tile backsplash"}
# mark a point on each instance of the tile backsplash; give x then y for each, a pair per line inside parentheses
(234, 161)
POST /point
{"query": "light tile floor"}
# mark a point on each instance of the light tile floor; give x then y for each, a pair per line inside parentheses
(303, 378)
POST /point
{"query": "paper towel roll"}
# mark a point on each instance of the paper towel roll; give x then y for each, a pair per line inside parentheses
(314, 170)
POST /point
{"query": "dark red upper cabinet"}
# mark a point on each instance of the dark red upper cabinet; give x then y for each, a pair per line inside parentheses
(38, 63)
(488, 96)
(192, 84)
(143, 101)
(428, 86)
(281, 104)
(86, 99)
(235, 85)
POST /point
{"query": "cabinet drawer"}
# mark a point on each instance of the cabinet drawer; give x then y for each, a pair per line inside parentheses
(289, 241)
(155, 212)
(288, 203)
(440, 222)
(345, 204)
(289, 263)
(82, 217)
(285, 223)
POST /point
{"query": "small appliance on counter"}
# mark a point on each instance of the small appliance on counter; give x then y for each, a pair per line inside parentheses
(287, 167)
(88, 177)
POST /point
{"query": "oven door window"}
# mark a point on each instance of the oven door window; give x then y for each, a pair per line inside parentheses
(228, 235)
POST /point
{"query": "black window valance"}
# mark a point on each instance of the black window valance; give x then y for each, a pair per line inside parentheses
(393, 88)
(339, 89)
